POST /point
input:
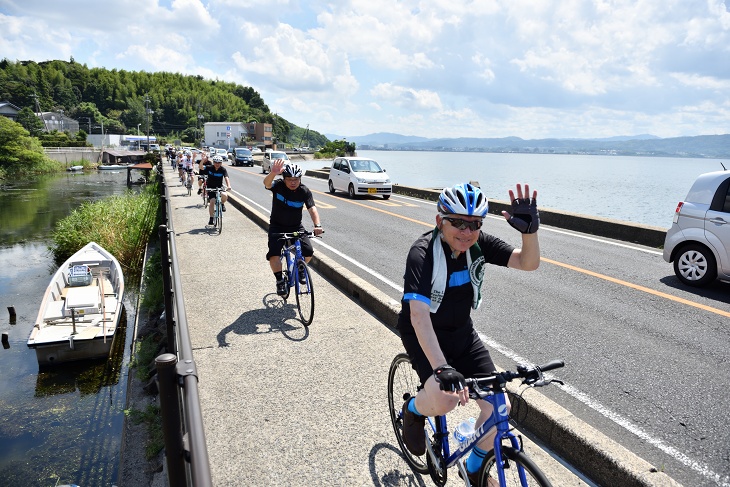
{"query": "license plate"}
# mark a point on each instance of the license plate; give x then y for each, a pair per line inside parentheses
(372, 190)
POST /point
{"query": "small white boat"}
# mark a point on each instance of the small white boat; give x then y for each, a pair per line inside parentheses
(80, 311)
(75, 168)
(110, 167)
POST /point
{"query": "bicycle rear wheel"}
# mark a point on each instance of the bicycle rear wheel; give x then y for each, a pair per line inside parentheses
(305, 293)
(403, 384)
(189, 184)
(515, 464)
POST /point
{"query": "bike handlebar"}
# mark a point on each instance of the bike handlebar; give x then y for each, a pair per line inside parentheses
(531, 375)
(296, 235)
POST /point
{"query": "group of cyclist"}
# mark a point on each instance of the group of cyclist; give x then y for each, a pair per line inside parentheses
(443, 277)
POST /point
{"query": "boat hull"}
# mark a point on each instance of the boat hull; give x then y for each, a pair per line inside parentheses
(80, 312)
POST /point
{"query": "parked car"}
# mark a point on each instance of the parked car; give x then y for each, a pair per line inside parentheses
(242, 157)
(256, 150)
(699, 240)
(221, 152)
(359, 175)
(272, 156)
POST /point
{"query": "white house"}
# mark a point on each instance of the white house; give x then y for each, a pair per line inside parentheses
(224, 134)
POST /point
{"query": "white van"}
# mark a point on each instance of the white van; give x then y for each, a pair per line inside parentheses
(359, 176)
(269, 157)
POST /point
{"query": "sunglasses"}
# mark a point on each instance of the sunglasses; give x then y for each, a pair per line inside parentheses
(460, 224)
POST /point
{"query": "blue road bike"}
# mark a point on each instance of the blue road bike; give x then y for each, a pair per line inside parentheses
(296, 274)
(507, 463)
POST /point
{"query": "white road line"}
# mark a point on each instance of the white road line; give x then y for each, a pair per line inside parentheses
(370, 271)
(625, 423)
(698, 467)
(563, 232)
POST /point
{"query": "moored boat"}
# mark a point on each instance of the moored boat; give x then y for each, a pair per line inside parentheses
(110, 167)
(75, 168)
(80, 311)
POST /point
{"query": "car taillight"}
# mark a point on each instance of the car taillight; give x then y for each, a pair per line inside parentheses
(676, 212)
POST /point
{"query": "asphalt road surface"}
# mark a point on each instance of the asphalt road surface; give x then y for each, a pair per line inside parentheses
(646, 358)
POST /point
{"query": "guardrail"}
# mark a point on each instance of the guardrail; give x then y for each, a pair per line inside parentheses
(186, 452)
(70, 149)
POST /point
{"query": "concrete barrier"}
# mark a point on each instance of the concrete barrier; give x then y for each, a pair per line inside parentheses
(582, 446)
(73, 154)
(601, 227)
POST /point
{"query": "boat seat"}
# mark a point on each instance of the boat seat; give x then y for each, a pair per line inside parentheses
(110, 303)
(54, 311)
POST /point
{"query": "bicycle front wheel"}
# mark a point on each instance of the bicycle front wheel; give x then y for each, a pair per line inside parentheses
(519, 470)
(219, 223)
(403, 384)
(285, 272)
(305, 293)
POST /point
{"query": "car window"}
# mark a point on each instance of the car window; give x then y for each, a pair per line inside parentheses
(721, 200)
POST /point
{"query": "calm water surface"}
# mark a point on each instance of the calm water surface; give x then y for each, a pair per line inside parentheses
(642, 190)
(59, 425)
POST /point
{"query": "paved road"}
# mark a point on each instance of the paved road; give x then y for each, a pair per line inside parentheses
(614, 312)
(284, 404)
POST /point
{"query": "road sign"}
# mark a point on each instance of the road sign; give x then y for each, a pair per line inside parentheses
(228, 134)
(228, 128)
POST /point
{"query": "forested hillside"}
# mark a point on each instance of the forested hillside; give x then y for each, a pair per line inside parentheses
(117, 99)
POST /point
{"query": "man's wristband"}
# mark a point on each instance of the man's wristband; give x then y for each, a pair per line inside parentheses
(318, 226)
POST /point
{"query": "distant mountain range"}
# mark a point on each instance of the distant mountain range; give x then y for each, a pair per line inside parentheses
(645, 144)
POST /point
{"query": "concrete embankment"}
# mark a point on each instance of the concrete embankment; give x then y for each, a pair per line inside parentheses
(603, 227)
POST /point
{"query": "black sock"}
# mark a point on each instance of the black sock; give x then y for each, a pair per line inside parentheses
(278, 276)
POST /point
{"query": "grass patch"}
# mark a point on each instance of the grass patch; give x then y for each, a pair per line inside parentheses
(153, 299)
(152, 419)
(145, 353)
(122, 224)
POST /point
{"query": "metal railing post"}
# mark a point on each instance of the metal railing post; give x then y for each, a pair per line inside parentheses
(166, 365)
(167, 288)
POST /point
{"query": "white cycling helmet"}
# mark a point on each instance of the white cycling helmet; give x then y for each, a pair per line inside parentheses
(463, 199)
(217, 159)
(292, 171)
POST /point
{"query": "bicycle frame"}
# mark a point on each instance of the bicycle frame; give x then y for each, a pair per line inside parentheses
(293, 253)
(499, 418)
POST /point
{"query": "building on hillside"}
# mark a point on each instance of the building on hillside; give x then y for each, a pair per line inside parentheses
(9, 110)
(58, 121)
(261, 134)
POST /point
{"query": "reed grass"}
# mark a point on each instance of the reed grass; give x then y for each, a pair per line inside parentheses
(122, 224)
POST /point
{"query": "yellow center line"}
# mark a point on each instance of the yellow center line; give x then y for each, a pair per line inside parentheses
(568, 266)
(638, 288)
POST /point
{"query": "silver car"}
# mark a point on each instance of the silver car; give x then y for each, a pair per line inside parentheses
(699, 240)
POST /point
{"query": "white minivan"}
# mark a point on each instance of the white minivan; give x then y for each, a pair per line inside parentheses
(359, 176)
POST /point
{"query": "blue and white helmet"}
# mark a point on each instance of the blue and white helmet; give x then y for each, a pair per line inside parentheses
(292, 171)
(463, 199)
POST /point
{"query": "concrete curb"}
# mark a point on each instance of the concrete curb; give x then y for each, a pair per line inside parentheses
(602, 227)
(600, 458)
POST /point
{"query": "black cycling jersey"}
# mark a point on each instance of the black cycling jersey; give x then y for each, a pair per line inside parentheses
(287, 205)
(455, 309)
(216, 177)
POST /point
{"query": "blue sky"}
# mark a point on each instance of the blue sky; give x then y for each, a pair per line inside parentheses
(431, 68)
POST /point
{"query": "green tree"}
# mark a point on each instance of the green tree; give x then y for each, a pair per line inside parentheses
(21, 154)
(30, 122)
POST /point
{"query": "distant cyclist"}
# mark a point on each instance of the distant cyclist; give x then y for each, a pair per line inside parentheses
(203, 165)
(290, 197)
(217, 176)
(442, 284)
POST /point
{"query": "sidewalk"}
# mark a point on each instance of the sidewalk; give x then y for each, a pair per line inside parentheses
(284, 404)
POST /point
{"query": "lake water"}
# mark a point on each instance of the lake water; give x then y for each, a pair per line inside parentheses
(62, 425)
(643, 190)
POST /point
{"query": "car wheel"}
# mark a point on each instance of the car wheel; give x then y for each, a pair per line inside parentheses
(386, 196)
(332, 187)
(695, 265)
(351, 191)
(263, 169)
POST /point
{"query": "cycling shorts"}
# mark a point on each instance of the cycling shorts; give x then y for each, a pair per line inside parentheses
(463, 349)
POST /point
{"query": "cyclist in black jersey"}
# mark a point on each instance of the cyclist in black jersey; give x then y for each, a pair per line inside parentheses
(217, 178)
(442, 284)
(289, 197)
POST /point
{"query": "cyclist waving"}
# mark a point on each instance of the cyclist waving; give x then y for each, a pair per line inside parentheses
(217, 175)
(443, 277)
(290, 196)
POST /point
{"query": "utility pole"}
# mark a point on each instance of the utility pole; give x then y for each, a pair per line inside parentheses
(40, 113)
(147, 111)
